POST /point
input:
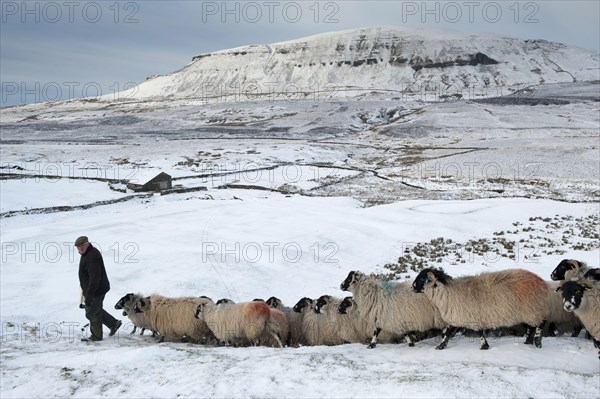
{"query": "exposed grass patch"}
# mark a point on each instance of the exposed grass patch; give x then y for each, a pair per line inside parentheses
(527, 242)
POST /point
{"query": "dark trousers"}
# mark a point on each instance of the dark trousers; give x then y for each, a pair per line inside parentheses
(98, 316)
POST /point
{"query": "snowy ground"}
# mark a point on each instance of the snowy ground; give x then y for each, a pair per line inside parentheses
(297, 195)
(135, 367)
(376, 149)
(263, 245)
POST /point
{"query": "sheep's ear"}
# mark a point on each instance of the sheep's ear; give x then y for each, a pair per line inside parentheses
(559, 288)
(574, 264)
(586, 287)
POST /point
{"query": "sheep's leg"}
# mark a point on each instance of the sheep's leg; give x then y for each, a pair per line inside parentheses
(277, 340)
(537, 339)
(576, 331)
(143, 329)
(597, 345)
(410, 340)
(447, 332)
(552, 330)
(529, 336)
(133, 331)
(484, 343)
(374, 339)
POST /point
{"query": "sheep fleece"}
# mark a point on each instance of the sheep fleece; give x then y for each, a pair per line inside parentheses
(319, 329)
(174, 317)
(294, 319)
(351, 327)
(492, 300)
(246, 320)
(394, 307)
(365, 328)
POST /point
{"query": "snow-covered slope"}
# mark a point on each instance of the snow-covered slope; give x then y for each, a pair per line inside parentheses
(399, 59)
(258, 245)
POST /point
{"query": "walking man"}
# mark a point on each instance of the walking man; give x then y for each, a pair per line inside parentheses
(94, 284)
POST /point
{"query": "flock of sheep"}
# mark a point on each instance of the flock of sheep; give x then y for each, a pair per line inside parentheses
(387, 311)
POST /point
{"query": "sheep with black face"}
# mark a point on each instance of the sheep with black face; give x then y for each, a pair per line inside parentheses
(391, 306)
(317, 329)
(556, 317)
(567, 270)
(350, 329)
(571, 269)
(583, 299)
(294, 319)
(173, 317)
(593, 275)
(349, 308)
(127, 303)
(486, 301)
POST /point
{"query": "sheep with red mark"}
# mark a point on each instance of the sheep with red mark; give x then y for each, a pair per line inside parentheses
(237, 323)
(487, 301)
(277, 325)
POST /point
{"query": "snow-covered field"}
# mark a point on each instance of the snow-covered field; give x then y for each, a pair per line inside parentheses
(244, 245)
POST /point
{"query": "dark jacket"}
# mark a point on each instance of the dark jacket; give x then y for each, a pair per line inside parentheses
(92, 274)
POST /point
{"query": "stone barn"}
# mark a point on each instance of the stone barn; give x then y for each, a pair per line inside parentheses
(151, 182)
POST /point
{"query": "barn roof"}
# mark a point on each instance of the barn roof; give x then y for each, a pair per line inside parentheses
(143, 176)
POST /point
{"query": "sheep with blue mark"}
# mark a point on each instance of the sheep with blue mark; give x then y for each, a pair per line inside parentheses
(392, 306)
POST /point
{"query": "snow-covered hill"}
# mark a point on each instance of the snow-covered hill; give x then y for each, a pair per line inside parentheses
(396, 59)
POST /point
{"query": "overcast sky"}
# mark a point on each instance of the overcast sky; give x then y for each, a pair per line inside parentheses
(51, 50)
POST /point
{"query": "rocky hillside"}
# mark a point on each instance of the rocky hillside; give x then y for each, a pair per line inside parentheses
(410, 62)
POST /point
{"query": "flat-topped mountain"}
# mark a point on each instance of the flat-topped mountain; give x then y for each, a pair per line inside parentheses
(404, 60)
